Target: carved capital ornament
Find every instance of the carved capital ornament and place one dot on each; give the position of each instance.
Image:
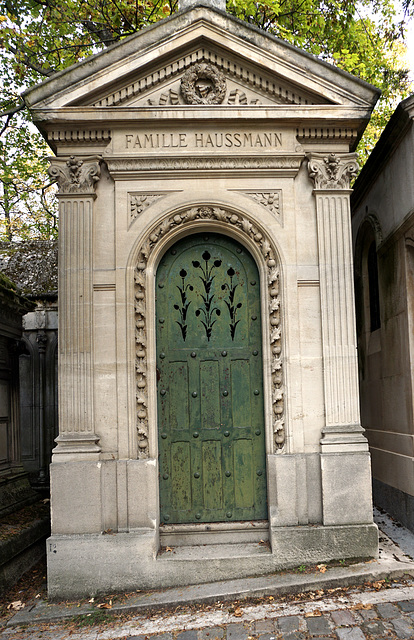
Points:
(329, 171)
(74, 175)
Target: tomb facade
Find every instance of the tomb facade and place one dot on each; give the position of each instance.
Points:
(208, 388)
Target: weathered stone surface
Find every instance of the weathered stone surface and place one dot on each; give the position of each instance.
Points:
(403, 628)
(264, 626)
(388, 611)
(237, 632)
(318, 626)
(32, 265)
(344, 618)
(350, 634)
(288, 624)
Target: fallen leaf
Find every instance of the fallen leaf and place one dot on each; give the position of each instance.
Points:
(378, 585)
(238, 612)
(360, 605)
(313, 614)
(321, 567)
(168, 548)
(17, 605)
(104, 605)
(91, 600)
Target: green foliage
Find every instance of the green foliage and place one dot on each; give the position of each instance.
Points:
(92, 619)
(363, 37)
(27, 205)
(40, 37)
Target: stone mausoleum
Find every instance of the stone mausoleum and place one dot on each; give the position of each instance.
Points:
(383, 229)
(208, 388)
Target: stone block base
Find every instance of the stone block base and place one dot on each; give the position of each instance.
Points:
(89, 564)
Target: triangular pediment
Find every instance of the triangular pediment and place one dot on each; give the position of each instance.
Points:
(209, 52)
(199, 69)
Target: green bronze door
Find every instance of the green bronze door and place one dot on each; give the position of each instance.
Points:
(210, 390)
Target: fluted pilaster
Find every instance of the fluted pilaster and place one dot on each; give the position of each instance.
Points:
(77, 179)
(331, 175)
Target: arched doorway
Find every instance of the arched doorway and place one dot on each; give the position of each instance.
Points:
(210, 383)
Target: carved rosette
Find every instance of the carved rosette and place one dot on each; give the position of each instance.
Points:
(269, 199)
(141, 201)
(265, 247)
(75, 175)
(203, 83)
(329, 171)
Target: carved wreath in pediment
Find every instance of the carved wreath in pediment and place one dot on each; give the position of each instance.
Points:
(203, 84)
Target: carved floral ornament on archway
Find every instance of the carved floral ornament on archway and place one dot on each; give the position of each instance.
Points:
(244, 225)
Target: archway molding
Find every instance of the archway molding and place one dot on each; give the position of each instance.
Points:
(145, 258)
(370, 227)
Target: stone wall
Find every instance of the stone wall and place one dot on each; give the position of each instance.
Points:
(15, 490)
(383, 221)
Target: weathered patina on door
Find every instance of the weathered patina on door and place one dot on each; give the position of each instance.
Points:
(210, 390)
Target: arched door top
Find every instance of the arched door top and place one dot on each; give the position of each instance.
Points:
(239, 226)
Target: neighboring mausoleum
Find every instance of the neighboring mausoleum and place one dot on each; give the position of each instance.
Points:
(208, 386)
(32, 266)
(383, 228)
(15, 490)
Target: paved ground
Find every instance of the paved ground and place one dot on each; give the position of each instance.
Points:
(382, 607)
(379, 611)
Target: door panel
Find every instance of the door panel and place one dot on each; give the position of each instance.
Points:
(209, 394)
(210, 390)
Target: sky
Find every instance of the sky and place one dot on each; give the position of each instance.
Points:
(410, 45)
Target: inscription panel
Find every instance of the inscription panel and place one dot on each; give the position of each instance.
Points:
(266, 140)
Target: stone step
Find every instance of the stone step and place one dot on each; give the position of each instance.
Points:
(214, 533)
(215, 551)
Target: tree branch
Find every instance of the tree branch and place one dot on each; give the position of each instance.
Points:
(12, 110)
(30, 64)
(10, 113)
(101, 31)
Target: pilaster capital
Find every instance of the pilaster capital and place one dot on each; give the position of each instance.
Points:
(75, 175)
(332, 172)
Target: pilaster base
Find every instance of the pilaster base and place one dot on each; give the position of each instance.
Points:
(72, 446)
(343, 439)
